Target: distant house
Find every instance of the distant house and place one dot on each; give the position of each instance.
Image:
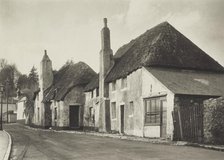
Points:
(60, 101)
(11, 117)
(153, 86)
(11, 107)
(24, 106)
(21, 106)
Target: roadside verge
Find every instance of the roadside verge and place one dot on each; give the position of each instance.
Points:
(8, 150)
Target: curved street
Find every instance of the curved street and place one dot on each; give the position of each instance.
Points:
(48, 145)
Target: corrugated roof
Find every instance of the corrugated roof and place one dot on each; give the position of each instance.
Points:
(190, 82)
(161, 46)
(66, 78)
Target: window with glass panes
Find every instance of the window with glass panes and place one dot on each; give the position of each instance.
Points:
(153, 111)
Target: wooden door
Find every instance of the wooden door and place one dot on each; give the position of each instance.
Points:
(163, 118)
(122, 118)
(74, 116)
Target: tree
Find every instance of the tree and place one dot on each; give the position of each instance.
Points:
(22, 82)
(33, 81)
(3, 63)
(7, 78)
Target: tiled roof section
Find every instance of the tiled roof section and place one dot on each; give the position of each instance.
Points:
(94, 83)
(161, 46)
(190, 82)
(69, 76)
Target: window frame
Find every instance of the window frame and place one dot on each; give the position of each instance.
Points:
(153, 116)
(91, 114)
(113, 86)
(55, 113)
(131, 109)
(124, 83)
(113, 110)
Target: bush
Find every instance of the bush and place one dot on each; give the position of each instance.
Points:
(217, 123)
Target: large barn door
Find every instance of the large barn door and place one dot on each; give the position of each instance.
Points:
(188, 123)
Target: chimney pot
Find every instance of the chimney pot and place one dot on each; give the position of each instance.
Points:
(105, 22)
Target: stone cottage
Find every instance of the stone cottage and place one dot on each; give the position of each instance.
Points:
(21, 106)
(24, 106)
(60, 101)
(154, 86)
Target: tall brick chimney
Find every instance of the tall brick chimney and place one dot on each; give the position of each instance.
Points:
(46, 74)
(106, 62)
(106, 57)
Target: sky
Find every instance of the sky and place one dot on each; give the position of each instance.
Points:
(70, 29)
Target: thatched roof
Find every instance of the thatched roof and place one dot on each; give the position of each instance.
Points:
(94, 83)
(161, 46)
(69, 76)
(190, 82)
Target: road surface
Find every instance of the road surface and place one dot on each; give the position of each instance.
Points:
(30, 144)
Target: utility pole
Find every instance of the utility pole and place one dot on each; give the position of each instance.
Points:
(7, 99)
(1, 94)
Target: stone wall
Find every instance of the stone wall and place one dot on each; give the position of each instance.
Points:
(74, 97)
(214, 120)
(91, 101)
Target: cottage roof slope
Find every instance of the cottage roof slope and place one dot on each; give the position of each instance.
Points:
(161, 46)
(94, 83)
(190, 82)
(69, 76)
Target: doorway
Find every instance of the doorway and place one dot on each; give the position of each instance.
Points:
(74, 116)
(122, 118)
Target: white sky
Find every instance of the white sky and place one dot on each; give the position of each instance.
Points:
(70, 29)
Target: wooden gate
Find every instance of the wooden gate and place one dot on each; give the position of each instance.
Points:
(188, 122)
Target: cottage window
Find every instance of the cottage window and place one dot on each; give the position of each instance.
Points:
(113, 110)
(152, 111)
(113, 85)
(55, 113)
(124, 82)
(97, 92)
(131, 108)
(91, 114)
